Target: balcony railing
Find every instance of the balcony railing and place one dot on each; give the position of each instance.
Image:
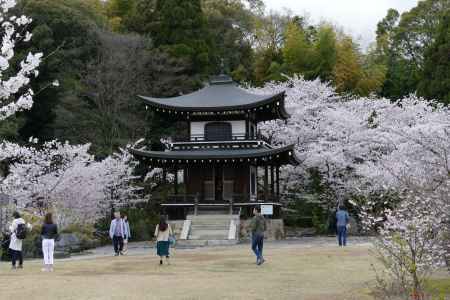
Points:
(198, 198)
(234, 137)
(196, 202)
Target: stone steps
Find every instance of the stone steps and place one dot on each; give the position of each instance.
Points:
(210, 229)
(209, 235)
(203, 243)
(211, 217)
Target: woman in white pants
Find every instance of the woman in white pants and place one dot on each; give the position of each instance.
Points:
(49, 233)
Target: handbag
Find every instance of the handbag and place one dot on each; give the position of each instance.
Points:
(172, 240)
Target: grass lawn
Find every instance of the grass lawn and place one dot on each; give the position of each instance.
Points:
(292, 271)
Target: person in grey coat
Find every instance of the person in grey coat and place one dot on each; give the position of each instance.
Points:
(117, 233)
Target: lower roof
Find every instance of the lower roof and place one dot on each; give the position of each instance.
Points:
(261, 155)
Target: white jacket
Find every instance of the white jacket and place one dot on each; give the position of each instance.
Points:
(15, 243)
(112, 228)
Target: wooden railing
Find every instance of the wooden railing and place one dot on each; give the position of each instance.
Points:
(234, 137)
(199, 200)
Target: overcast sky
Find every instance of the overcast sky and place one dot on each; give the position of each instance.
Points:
(357, 17)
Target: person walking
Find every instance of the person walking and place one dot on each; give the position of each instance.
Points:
(258, 227)
(127, 233)
(342, 219)
(49, 233)
(18, 231)
(163, 232)
(117, 233)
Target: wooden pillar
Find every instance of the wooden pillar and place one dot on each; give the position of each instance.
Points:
(278, 180)
(266, 182)
(164, 176)
(196, 204)
(272, 181)
(247, 129)
(175, 181)
(189, 130)
(185, 177)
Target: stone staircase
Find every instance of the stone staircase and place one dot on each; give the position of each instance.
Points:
(210, 230)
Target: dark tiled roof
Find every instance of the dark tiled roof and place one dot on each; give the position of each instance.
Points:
(220, 95)
(285, 154)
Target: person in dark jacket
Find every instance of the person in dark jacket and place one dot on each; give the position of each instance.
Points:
(258, 227)
(49, 233)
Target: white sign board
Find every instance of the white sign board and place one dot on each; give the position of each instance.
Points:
(267, 210)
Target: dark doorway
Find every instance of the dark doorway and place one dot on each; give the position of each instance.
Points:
(218, 131)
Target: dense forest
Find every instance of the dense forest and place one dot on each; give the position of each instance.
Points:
(104, 53)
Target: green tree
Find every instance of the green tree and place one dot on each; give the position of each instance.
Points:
(347, 71)
(405, 44)
(179, 26)
(64, 31)
(228, 25)
(118, 12)
(267, 62)
(296, 50)
(324, 54)
(268, 42)
(435, 82)
(105, 112)
(385, 33)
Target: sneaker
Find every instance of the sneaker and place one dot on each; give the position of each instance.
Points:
(44, 270)
(20, 267)
(160, 262)
(258, 261)
(262, 260)
(13, 268)
(121, 253)
(116, 254)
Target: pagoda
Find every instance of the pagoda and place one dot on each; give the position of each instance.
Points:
(223, 163)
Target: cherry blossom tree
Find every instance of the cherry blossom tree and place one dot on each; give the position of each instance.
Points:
(390, 159)
(67, 179)
(352, 141)
(15, 95)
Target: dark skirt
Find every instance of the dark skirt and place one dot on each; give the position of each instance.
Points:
(162, 248)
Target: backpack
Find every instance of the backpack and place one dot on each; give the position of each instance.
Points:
(21, 231)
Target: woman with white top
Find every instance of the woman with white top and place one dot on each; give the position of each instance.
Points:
(162, 234)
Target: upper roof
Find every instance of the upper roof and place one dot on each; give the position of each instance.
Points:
(222, 94)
